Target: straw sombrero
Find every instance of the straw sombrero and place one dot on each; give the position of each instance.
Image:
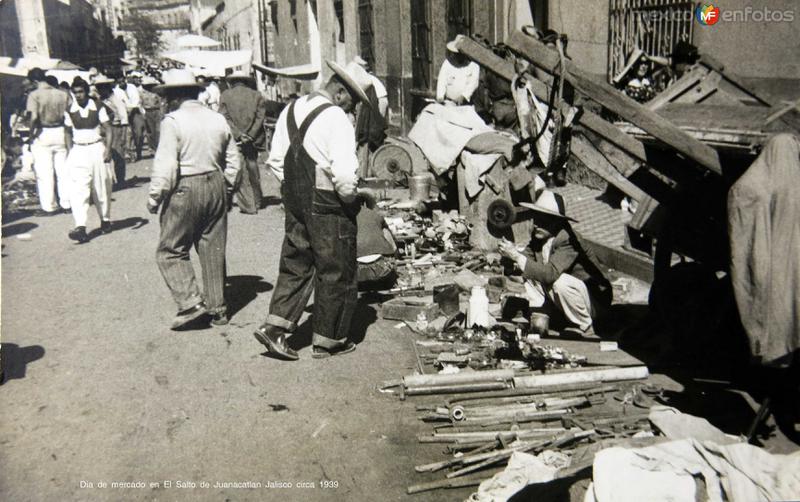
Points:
(354, 77)
(176, 79)
(549, 203)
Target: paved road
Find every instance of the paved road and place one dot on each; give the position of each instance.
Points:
(99, 390)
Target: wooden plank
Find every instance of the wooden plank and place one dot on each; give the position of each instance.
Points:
(686, 82)
(585, 151)
(703, 89)
(611, 98)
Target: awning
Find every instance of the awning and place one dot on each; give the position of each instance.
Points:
(195, 41)
(20, 66)
(212, 62)
(301, 72)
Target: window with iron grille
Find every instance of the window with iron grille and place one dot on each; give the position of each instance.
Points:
(459, 18)
(366, 35)
(264, 22)
(421, 61)
(654, 26)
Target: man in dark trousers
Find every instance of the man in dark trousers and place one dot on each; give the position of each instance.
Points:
(313, 152)
(194, 169)
(244, 108)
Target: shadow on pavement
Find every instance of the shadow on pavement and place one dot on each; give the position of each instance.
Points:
(243, 289)
(18, 228)
(133, 182)
(134, 223)
(16, 358)
(364, 316)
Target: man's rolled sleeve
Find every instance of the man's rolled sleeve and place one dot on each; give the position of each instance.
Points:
(164, 175)
(232, 160)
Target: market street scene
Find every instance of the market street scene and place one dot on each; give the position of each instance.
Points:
(400, 250)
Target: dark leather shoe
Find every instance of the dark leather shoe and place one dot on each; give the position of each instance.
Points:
(105, 227)
(275, 342)
(184, 317)
(219, 319)
(79, 234)
(322, 353)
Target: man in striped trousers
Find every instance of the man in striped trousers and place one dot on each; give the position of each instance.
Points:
(191, 185)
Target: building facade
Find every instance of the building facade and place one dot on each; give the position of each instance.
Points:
(173, 18)
(77, 31)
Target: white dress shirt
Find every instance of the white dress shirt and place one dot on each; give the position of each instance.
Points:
(457, 84)
(122, 105)
(134, 100)
(330, 140)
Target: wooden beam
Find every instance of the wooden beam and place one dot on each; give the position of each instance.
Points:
(611, 98)
(686, 82)
(585, 151)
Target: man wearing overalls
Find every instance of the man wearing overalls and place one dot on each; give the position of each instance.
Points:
(313, 152)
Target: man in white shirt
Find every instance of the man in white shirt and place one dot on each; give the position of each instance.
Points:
(380, 89)
(210, 94)
(89, 152)
(313, 153)
(136, 113)
(458, 77)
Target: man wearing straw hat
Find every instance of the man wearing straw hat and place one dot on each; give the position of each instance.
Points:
(313, 152)
(245, 109)
(194, 169)
(563, 275)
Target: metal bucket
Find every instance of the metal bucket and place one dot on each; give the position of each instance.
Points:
(419, 187)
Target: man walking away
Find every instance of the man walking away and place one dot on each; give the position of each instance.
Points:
(191, 184)
(46, 106)
(86, 162)
(152, 110)
(244, 108)
(314, 147)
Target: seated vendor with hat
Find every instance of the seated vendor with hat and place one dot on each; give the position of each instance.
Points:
(563, 276)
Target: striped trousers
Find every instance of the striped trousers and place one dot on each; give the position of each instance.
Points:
(195, 215)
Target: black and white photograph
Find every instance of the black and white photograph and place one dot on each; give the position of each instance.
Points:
(378, 250)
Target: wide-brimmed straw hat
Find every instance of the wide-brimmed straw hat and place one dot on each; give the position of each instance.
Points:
(451, 45)
(549, 203)
(177, 79)
(354, 77)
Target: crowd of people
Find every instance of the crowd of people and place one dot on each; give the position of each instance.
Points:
(206, 135)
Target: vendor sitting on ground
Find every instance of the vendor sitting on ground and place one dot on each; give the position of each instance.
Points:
(563, 277)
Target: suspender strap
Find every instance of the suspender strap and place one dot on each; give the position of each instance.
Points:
(296, 136)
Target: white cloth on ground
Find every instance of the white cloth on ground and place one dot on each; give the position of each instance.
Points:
(442, 131)
(522, 470)
(475, 166)
(667, 472)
